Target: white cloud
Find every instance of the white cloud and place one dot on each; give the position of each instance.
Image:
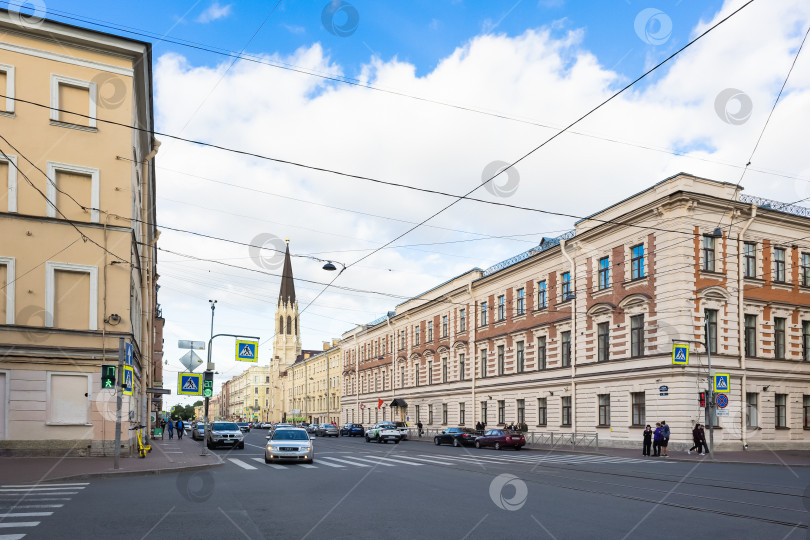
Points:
(537, 76)
(214, 12)
(295, 29)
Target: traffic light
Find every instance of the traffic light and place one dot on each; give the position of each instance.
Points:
(702, 398)
(208, 384)
(108, 376)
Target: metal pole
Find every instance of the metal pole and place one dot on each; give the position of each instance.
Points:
(118, 402)
(208, 368)
(710, 393)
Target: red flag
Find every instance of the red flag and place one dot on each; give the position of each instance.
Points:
(379, 403)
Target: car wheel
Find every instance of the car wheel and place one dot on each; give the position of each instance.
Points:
(497, 446)
(265, 459)
(396, 441)
(436, 441)
(517, 448)
(456, 443)
(477, 444)
(368, 440)
(241, 446)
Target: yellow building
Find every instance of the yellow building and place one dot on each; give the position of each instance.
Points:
(249, 396)
(77, 235)
(314, 385)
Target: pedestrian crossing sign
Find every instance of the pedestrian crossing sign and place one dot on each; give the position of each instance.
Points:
(127, 384)
(189, 384)
(246, 350)
(680, 355)
(722, 382)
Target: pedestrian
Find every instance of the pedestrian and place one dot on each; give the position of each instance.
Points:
(703, 441)
(419, 425)
(179, 427)
(657, 440)
(665, 437)
(647, 440)
(171, 430)
(695, 439)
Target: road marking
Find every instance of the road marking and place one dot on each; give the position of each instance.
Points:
(11, 536)
(329, 464)
(35, 499)
(39, 489)
(431, 461)
(370, 461)
(261, 460)
(307, 466)
(32, 506)
(242, 464)
(19, 524)
(396, 461)
(44, 485)
(26, 514)
(347, 462)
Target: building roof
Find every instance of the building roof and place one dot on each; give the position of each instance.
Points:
(286, 293)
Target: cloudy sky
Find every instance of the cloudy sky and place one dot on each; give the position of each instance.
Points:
(455, 86)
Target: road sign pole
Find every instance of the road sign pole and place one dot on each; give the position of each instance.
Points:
(118, 402)
(710, 402)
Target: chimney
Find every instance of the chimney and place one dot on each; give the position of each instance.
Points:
(326, 345)
(335, 342)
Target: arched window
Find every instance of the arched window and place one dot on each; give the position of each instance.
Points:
(296, 326)
(289, 324)
(281, 325)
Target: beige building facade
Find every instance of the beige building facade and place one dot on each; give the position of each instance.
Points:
(77, 236)
(314, 385)
(577, 334)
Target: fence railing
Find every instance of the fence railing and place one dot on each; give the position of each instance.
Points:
(545, 439)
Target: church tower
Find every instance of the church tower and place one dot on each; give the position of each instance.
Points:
(287, 343)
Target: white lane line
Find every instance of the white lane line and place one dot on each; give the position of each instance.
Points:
(11, 536)
(346, 462)
(329, 464)
(44, 485)
(370, 461)
(39, 489)
(32, 506)
(26, 514)
(307, 466)
(430, 461)
(19, 524)
(261, 460)
(242, 464)
(35, 499)
(396, 461)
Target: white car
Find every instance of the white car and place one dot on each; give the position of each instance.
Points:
(383, 432)
(289, 444)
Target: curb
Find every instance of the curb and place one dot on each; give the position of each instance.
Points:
(146, 472)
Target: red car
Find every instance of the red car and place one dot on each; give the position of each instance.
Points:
(501, 438)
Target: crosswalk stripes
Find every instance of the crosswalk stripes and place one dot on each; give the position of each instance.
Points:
(347, 462)
(242, 464)
(394, 461)
(431, 461)
(21, 502)
(261, 460)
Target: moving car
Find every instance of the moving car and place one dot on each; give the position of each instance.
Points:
(403, 429)
(225, 434)
(289, 444)
(326, 430)
(352, 430)
(501, 438)
(244, 426)
(457, 436)
(198, 431)
(383, 432)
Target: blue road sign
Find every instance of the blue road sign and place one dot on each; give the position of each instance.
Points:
(128, 377)
(189, 384)
(246, 350)
(722, 382)
(128, 353)
(722, 401)
(680, 355)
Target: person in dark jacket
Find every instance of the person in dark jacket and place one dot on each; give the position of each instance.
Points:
(179, 427)
(664, 438)
(647, 440)
(170, 425)
(703, 442)
(419, 425)
(695, 439)
(657, 438)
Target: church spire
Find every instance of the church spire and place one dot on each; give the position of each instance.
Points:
(286, 294)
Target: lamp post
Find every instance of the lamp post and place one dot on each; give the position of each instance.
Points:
(208, 367)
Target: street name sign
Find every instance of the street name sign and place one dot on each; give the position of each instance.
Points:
(188, 344)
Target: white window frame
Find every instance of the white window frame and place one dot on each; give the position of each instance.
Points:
(6, 405)
(50, 286)
(12, 179)
(93, 173)
(10, 102)
(48, 421)
(56, 80)
(11, 276)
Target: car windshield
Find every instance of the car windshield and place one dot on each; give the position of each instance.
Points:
(225, 426)
(290, 435)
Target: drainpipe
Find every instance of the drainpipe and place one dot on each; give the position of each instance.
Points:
(573, 338)
(393, 376)
(471, 349)
(741, 321)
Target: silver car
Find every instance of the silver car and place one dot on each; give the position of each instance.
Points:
(198, 431)
(225, 434)
(289, 444)
(326, 430)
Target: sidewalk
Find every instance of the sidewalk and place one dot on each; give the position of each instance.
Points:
(167, 456)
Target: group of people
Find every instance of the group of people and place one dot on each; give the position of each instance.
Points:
(480, 426)
(519, 426)
(658, 439)
(171, 426)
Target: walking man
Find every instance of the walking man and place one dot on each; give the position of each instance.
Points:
(703, 442)
(696, 439)
(170, 425)
(179, 429)
(419, 425)
(665, 439)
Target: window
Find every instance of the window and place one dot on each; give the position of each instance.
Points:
(604, 409)
(639, 408)
(708, 253)
(779, 265)
(418, 417)
(711, 337)
(779, 337)
(566, 411)
(444, 370)
(806, 341)
(69, 396)
(521, 362)
(483, 363)
(501, 411)
(8, 170)
(444, 414)
(430, 371)
(806, 403)
(750, 260)
(430, 414)
(780, 410)
(541, 353)
(637, 262)
(402, 376)
(416, 335)
(750, 335)
(751, 400)
(542, 416)
(521, 301)
(461, 411)
(462, 320)
(76, 96)
(7, 287)
(501, 307)
(483, 313)
(602, 341)
(541, 294)
(75, 184)
(417, 373)
(566, 286)
(429, 332)
(484, 412)
(804, 270)
(521, 411)
(461, 366)
(76, 287)
(500, 359)
(7, 77)
(604, 273)
(566, 348)
(402, 339)
(444, 326)
(636, 336)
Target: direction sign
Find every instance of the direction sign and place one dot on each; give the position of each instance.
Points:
(128, 353)
(128, 377)
(187, 344)
(680, 355)
(189, 384)
(246, 350)
(722, 401)
(722, 382)
(191, 361)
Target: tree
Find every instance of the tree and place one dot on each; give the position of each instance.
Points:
(198, 403)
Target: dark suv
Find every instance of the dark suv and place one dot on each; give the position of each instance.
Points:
(352, 430)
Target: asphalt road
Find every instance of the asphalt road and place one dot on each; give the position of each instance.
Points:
(417, 490)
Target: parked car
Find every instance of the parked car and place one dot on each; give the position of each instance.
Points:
(289, 444)
(310, 427)
(383, 433)
(501, 438)
(244, 426)
(225, 434)
(457, 436)
(198, 431)
(327, 430)
(352, 430)
(403, 429)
